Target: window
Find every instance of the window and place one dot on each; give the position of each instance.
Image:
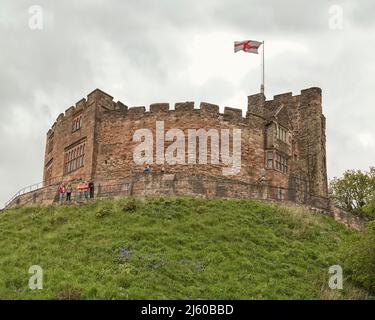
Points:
(269, 159)
(281, 133)
(280, 194)
(281, 163)
(77, 123)
(275, 160)
(73, 159)
(48, 175)
(50, 143)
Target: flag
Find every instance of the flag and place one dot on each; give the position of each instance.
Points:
(247, 46)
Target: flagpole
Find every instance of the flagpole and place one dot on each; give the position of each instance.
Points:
(262, 85)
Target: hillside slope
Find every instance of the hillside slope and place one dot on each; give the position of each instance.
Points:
(171, 248)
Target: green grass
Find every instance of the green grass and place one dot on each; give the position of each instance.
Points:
(171, 248)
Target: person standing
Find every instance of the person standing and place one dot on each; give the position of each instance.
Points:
(69, 190)
(86, 189)
(92, 189)
(79, 190)
(61, 193)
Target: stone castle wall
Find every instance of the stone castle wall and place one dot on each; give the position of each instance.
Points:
(115, 140)
(157, 184)
(106, 133)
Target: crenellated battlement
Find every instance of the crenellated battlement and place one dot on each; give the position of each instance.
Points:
(95, 96)
(186, 108)
(257, 105)
(106, 102)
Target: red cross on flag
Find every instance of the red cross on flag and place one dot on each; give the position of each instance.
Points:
(247, 46)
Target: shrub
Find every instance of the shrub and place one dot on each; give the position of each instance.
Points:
(130, 206)
(360, 259)
(103, 212)
(369, 210)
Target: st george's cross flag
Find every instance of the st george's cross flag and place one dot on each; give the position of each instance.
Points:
(247, 46)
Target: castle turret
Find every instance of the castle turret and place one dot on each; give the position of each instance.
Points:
(255, 104)
(312, 140)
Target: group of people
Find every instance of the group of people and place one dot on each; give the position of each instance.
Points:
(85, 189)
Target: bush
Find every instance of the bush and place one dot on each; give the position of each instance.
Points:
(103, 212)
(200, 209)
(369, 210)
(130, 206)
(360, 259)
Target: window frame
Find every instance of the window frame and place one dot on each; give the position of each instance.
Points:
(74, 158)
(269, 159)
(48, 172)
(77, 122)
(281, 163)
(50, 142)
(281, 133)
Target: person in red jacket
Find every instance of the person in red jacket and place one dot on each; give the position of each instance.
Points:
(79, 190)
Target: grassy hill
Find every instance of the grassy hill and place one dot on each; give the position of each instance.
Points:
(171, 248)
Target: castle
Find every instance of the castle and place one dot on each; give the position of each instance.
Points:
(283, 153)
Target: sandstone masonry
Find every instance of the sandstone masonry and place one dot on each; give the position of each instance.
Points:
(283, 146)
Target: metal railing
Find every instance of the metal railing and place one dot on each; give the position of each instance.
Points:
(40, 185)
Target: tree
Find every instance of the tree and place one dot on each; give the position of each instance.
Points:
(355, 190)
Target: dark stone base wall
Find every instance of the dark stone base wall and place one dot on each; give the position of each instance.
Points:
(153, 184)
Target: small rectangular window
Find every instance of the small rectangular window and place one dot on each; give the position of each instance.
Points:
(77, 123)
(281, 133)
(50, 143)
(269, 159)
(48, 175)
(281, 163)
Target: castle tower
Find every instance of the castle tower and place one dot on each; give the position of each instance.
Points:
(299, 121)
(71, 146)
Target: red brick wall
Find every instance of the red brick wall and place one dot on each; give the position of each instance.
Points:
(108, 129)
(115, 141)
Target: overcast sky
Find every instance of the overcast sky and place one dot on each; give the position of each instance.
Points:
(168, 51)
